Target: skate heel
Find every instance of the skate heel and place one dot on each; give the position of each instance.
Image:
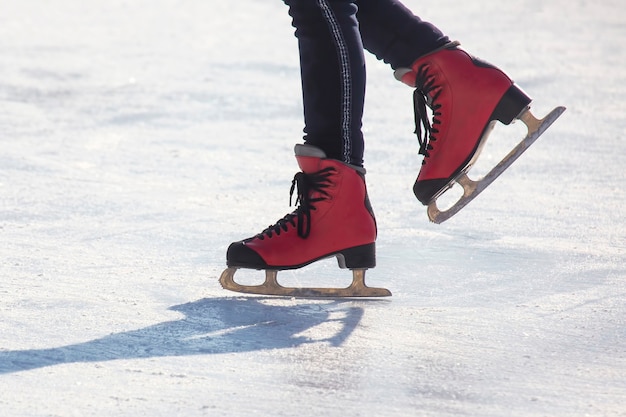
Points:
(514, 102)
(358, 257)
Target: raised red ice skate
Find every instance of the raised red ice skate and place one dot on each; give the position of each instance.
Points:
(467, 96)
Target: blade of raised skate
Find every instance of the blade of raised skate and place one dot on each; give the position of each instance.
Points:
(471, 188)
(272, 287)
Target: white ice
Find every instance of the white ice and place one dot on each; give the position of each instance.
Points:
(139, 138)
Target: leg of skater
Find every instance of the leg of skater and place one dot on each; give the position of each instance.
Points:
(332, 69)
(334, 217)
(466, 94)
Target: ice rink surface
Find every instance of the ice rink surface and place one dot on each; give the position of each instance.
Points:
(139, 138)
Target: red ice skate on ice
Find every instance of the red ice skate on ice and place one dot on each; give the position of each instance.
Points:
(334, 218)
(466, 96)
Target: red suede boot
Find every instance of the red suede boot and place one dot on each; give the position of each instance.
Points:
(467, 96)
(334, 219)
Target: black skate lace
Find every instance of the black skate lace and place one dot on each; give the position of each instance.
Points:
(425, 83)
(305, 184)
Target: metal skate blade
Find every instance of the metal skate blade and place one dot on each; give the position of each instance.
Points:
(472, 188)
(271, 287)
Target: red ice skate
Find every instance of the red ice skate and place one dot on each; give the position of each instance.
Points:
(466, 96)
(334, 218)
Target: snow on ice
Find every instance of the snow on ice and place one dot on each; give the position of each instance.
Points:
(138, 139)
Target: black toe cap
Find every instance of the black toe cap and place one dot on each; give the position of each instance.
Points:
(426, 190)
(241, 256)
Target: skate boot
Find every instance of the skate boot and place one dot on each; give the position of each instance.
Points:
(334, 218)
(466, 96)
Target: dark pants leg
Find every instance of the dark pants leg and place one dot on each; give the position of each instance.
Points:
(330, 41)
(394, 34)
(333, 75)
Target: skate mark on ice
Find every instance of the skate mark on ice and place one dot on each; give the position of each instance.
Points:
(209, 326)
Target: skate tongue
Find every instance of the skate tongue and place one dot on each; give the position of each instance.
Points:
(308, 150)
(308, 157)
(405, 75)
